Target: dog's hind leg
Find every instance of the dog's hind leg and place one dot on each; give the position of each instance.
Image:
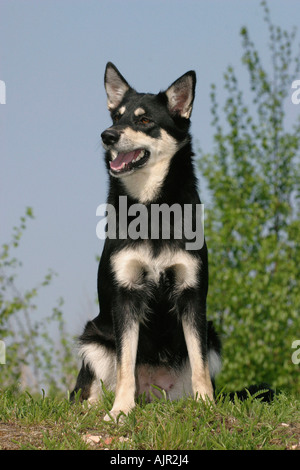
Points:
(98, 353)
(84, 383)
(213, 352)
(98, 368)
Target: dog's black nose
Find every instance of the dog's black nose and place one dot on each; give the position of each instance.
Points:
(110, 136)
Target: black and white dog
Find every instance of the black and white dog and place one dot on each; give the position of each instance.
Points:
(151, 332)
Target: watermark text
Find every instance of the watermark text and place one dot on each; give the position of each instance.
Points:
(155, 222)
(296, 354)
(296, 94)
(2, 352)
(2, 92)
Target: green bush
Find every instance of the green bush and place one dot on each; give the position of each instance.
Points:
(252, 224)
(36, 354)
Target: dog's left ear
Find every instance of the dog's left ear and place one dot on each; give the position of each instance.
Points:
(115, 86)
(181, 95)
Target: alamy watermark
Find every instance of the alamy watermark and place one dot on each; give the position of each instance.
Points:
(2, 353)
(2, 92)
(296, 94)
(296, 354)
(156, 221)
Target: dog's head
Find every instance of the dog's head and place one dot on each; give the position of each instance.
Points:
(147, 128)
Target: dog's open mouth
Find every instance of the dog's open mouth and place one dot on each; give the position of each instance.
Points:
(125, 162)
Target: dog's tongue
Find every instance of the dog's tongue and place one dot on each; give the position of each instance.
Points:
(122, 158)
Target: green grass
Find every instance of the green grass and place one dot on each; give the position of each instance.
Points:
(54, 424)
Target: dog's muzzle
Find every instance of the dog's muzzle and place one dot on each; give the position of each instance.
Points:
(124, 162)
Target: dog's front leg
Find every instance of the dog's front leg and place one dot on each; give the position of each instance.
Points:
(126, 357)
(201, 380)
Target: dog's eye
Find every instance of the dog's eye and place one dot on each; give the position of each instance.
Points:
(116, 117)
(144, 120)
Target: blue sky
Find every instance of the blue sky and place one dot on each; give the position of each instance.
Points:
(52, 58)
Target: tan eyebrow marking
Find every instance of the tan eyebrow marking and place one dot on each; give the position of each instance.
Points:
(122, 110)
(139, 112)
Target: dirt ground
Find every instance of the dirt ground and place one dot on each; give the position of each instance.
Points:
(14, 436)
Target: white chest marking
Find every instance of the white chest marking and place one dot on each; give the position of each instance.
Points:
(131, 266)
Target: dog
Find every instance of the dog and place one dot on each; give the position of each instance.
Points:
(151, 336)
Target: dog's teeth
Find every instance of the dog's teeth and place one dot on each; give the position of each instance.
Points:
(140, 155)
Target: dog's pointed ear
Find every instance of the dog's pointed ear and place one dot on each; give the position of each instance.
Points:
(181, 95)
(115, 86)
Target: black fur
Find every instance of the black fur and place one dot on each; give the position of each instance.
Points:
(157, 306)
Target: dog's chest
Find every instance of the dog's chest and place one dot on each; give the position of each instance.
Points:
(133, 267)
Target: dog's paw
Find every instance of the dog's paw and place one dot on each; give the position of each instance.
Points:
(206, 397)
(119, 413)
(92, 401)
(204, 394)
(116, 416)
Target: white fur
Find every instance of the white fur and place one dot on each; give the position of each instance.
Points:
(129, 265)
(125, 385)
(183, 382)
(102, 363)
(214, 363)
(201, 380)
(144, 183)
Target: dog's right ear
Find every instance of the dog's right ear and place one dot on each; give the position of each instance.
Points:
(115, 86)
